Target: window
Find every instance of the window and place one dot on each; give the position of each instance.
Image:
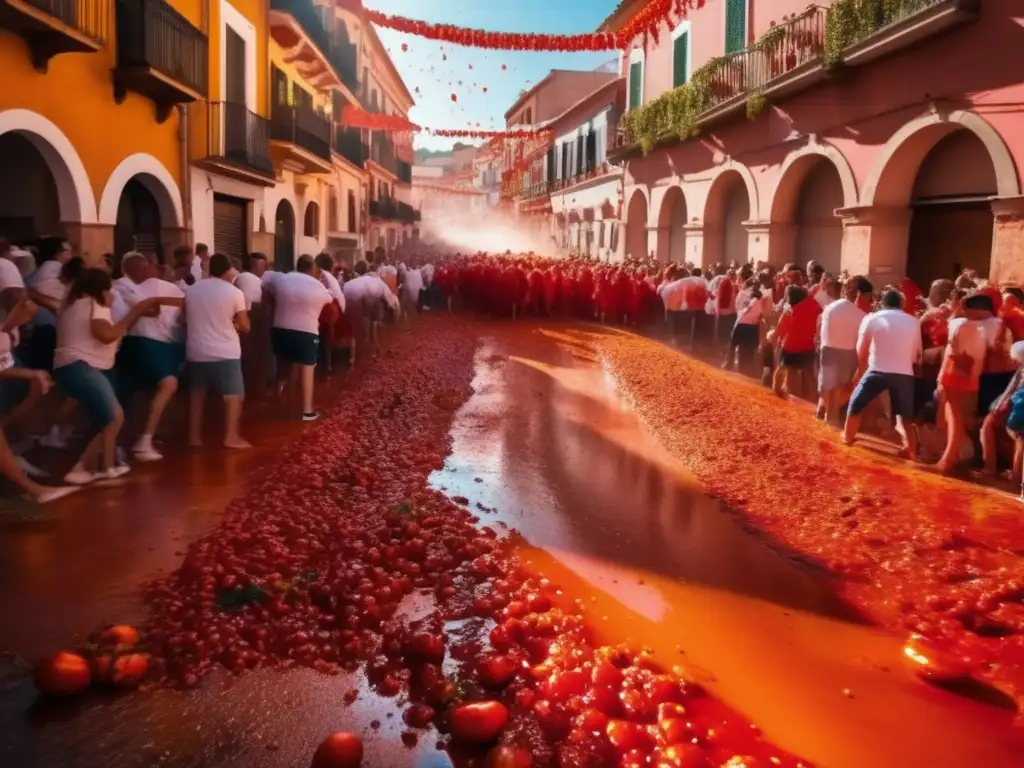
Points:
(351, 211)
(681, 54)
(332, 213)
(311, 227)
(636, 78)
(281, 87)
(735, 25)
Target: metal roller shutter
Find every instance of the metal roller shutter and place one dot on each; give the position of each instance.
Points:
(229, 235)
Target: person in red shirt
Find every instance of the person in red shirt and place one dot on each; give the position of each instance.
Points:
(585, 293)
(552, 279)
(535, 292)
(795, 338)
(912, 296)
(623, 293)
(1013, 311)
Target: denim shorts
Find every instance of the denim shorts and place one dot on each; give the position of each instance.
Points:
(92, 388)
(900, 386)
(222, 376)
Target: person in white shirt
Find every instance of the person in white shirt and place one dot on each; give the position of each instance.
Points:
(334, 330)
(839, 326)
(152, 353)
(367, 298)
(412, 288)
(299, 298)
(83, 367)
(750, 308)
(888, 348)
(200, 266)
(214, 316)
(250, 282)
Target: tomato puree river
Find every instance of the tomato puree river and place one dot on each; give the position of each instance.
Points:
(548, 446)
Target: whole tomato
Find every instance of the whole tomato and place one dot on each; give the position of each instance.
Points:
(120, 635)
(122, 671)
(339, 750)
(479, 722)
(496, 670)
(62, 674)
(508, 756)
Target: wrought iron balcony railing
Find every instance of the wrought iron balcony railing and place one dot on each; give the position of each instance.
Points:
(303, 127)
(238, 136)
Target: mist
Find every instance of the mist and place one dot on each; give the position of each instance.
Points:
(466, 224)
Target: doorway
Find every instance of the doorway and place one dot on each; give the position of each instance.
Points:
(284, 237)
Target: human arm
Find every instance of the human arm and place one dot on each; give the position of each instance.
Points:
(106, 330)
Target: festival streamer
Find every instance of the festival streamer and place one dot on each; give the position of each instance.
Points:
(646, 22)
(446, 190)
(354, 117)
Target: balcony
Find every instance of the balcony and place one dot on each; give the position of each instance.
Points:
(788, 58)
(407, 214)
(540, 189)
(316, 45)
(160, 55)
(404, 171)
(383, 208)
(238, 144)
(348, 142)
(53, 27)
(300, 139)
(382, 152)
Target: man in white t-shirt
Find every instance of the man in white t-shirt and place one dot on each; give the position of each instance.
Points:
(838, 329)
(299, 298)
(200, 266)
(367, 297)
(250, 282)
(152, 353)
(888, 348)
(214, 316)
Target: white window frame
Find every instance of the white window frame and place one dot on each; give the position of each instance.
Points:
(725, 27)
(231, 17)
(637, 55)
(683, 28)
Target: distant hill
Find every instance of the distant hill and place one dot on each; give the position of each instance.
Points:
(427, 154)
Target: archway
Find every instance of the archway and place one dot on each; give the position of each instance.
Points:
(284, 237)
(158, 181)
(941, 168)
(63, 167)
(29, 194)
(138, 222)
(311, 225)
(728, 206)
(951, 217)
(636, 226)
(671, 227)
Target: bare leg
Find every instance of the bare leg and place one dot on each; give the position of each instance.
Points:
(851, 428)
(1018, 459)
(954, 435)
(305, 373)
(780, 381)
(110, 433)
(232, 421)
(196, 403)
(909, 437)
(21, 410)
(165, 390)
(11, 469)
(990, 445)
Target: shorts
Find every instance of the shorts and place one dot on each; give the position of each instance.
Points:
(837, 369)
(900, 387)
(991, 387)
(802, 360)
(746, 336)
(296, 347)
(92, 388)
(224, 377)
(146, 362)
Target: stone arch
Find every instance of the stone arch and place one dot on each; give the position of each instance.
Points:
(155, 177)
(636, 225)
(74, 190)
(795, 169)
(724, 175)
(311, 220)
(891, 180)
(672, 218)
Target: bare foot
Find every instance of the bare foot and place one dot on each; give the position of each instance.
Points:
(237, 444)
(847, 441)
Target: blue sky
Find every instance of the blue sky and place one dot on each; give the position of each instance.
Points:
(423, 65)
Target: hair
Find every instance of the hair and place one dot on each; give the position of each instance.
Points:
(863, 284)
(49, 248)
(696, 272)
(181, 255)
(90, 283)
(1016, 292)
(360, 268)
(305, 264)
(834, 289)
(892, 299)
(202, 248)
(130, 256)
(72, 270)
(249, 260)
(325, 261)
(795, 294)
(369, 257)
(790, 267)
(817, 269)
(220, 265)
(980, 301)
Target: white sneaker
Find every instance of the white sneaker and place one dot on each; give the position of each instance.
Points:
(144, 450)
(113, 473)
(52, 494)
(79, 476)
(30, 469)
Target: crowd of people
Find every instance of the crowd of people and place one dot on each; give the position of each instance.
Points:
(80, 344)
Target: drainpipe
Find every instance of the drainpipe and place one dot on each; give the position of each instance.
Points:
(186, 169)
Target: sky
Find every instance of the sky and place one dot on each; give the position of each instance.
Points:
(423, 66)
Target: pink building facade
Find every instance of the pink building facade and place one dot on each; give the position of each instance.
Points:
(881, 138)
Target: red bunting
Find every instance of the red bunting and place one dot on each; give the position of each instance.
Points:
(354, 117)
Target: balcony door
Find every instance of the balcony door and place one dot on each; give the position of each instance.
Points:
(235, 111)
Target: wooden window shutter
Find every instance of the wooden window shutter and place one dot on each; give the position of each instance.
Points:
(680, 54)
(635, 83)
(735, 25)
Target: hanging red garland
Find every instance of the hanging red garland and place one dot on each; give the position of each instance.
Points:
(354, 117)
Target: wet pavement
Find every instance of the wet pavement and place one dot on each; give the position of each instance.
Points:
(545, 443)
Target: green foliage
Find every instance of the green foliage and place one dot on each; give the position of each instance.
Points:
(755, 104)
(850, 21)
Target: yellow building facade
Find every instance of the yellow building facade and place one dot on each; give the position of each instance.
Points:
(147, 123)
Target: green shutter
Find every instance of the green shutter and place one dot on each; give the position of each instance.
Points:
(735, 25)
(635, 84)
(679, 58)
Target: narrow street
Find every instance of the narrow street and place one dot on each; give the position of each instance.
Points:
(544, 446)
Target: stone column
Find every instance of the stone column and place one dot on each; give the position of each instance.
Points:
(781, 243)
(657, 242)
(875, 242)
(695, 244)
(1007, 265)
(759, 237)
(90, 241)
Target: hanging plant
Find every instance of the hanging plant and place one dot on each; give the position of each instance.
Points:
(755, 104)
